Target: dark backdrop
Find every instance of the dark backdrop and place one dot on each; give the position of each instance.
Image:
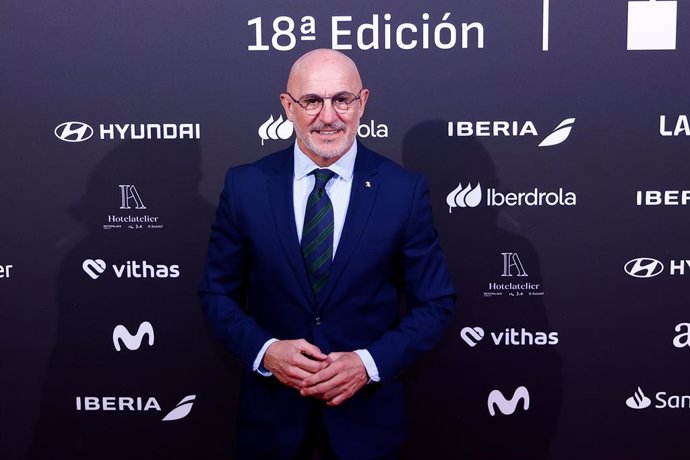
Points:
(564, 325)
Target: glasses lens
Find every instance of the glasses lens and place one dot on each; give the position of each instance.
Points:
(342, 101)
(311, 102)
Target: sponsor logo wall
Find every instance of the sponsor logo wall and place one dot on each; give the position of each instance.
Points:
(553, 137)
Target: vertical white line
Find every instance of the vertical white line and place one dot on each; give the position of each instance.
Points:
(545, 27)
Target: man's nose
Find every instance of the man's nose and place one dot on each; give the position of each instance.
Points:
(328, 113)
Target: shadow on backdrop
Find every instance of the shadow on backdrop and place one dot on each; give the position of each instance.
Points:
(447, 393)
(85, 367)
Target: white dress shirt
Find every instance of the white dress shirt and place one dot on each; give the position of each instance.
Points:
(338, 190)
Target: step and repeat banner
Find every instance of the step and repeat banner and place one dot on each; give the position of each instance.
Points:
(556, 141)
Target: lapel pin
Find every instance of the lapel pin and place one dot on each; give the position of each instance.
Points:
(367, 184)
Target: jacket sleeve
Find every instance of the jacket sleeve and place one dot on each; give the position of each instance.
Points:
(224, 284)
(428, 290)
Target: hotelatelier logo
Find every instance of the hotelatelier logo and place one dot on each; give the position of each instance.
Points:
(130, 200)
(508, 406)
(646, 267)
(510, 129)
(469, 196)
(133, 404)
(130, 269)
(513, 267)
(77, 131)
(663, 401)
(122, 336)
(509, 337)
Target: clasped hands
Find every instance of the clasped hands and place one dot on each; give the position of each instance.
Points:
(333, 378)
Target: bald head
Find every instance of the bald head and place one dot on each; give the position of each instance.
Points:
(325, 75)
(320, 65)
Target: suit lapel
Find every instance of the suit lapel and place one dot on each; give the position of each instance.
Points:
(362, 197)
(280, 185)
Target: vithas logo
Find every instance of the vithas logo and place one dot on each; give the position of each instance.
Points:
(131, 269)
(93, 267)
(508, 406)
(509, 337)
(472, 335)
(121, 336)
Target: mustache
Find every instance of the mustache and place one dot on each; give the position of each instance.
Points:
(328, 126)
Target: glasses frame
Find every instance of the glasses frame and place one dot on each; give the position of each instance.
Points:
(323, 100)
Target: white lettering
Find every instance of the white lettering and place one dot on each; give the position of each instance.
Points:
(683, 338)
(336, 32)
(110, 131)
(374, 29)
(5, 271)
(678, 267)
(119, 271)
(682, 126)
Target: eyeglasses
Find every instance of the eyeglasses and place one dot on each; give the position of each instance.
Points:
(313, 103)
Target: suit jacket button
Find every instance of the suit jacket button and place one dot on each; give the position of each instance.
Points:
(317, 321)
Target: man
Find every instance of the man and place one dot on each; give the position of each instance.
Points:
(311, 250)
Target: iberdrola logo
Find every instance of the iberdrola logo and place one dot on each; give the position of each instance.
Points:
(275, 129)
(464, 197)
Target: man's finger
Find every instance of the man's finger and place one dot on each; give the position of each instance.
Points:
(323, 375)
(337, 400)
(309, 365)
(310, 350)
(297, 373)
(323, 386)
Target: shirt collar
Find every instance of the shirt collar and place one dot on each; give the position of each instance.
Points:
(344, 167)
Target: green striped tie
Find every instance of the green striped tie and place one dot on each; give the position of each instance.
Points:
(317, 233)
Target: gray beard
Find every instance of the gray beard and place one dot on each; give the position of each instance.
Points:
(327, 153)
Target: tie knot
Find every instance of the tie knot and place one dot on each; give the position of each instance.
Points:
(322, 177)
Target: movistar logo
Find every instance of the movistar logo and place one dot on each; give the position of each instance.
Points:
(508, 406)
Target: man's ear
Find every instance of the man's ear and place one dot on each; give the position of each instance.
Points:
(363, 98)
(287, 105)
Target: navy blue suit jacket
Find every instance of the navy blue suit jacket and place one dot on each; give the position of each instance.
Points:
(256, 287)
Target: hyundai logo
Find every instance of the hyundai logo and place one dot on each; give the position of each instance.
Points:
(644, 267)
(73, 131)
